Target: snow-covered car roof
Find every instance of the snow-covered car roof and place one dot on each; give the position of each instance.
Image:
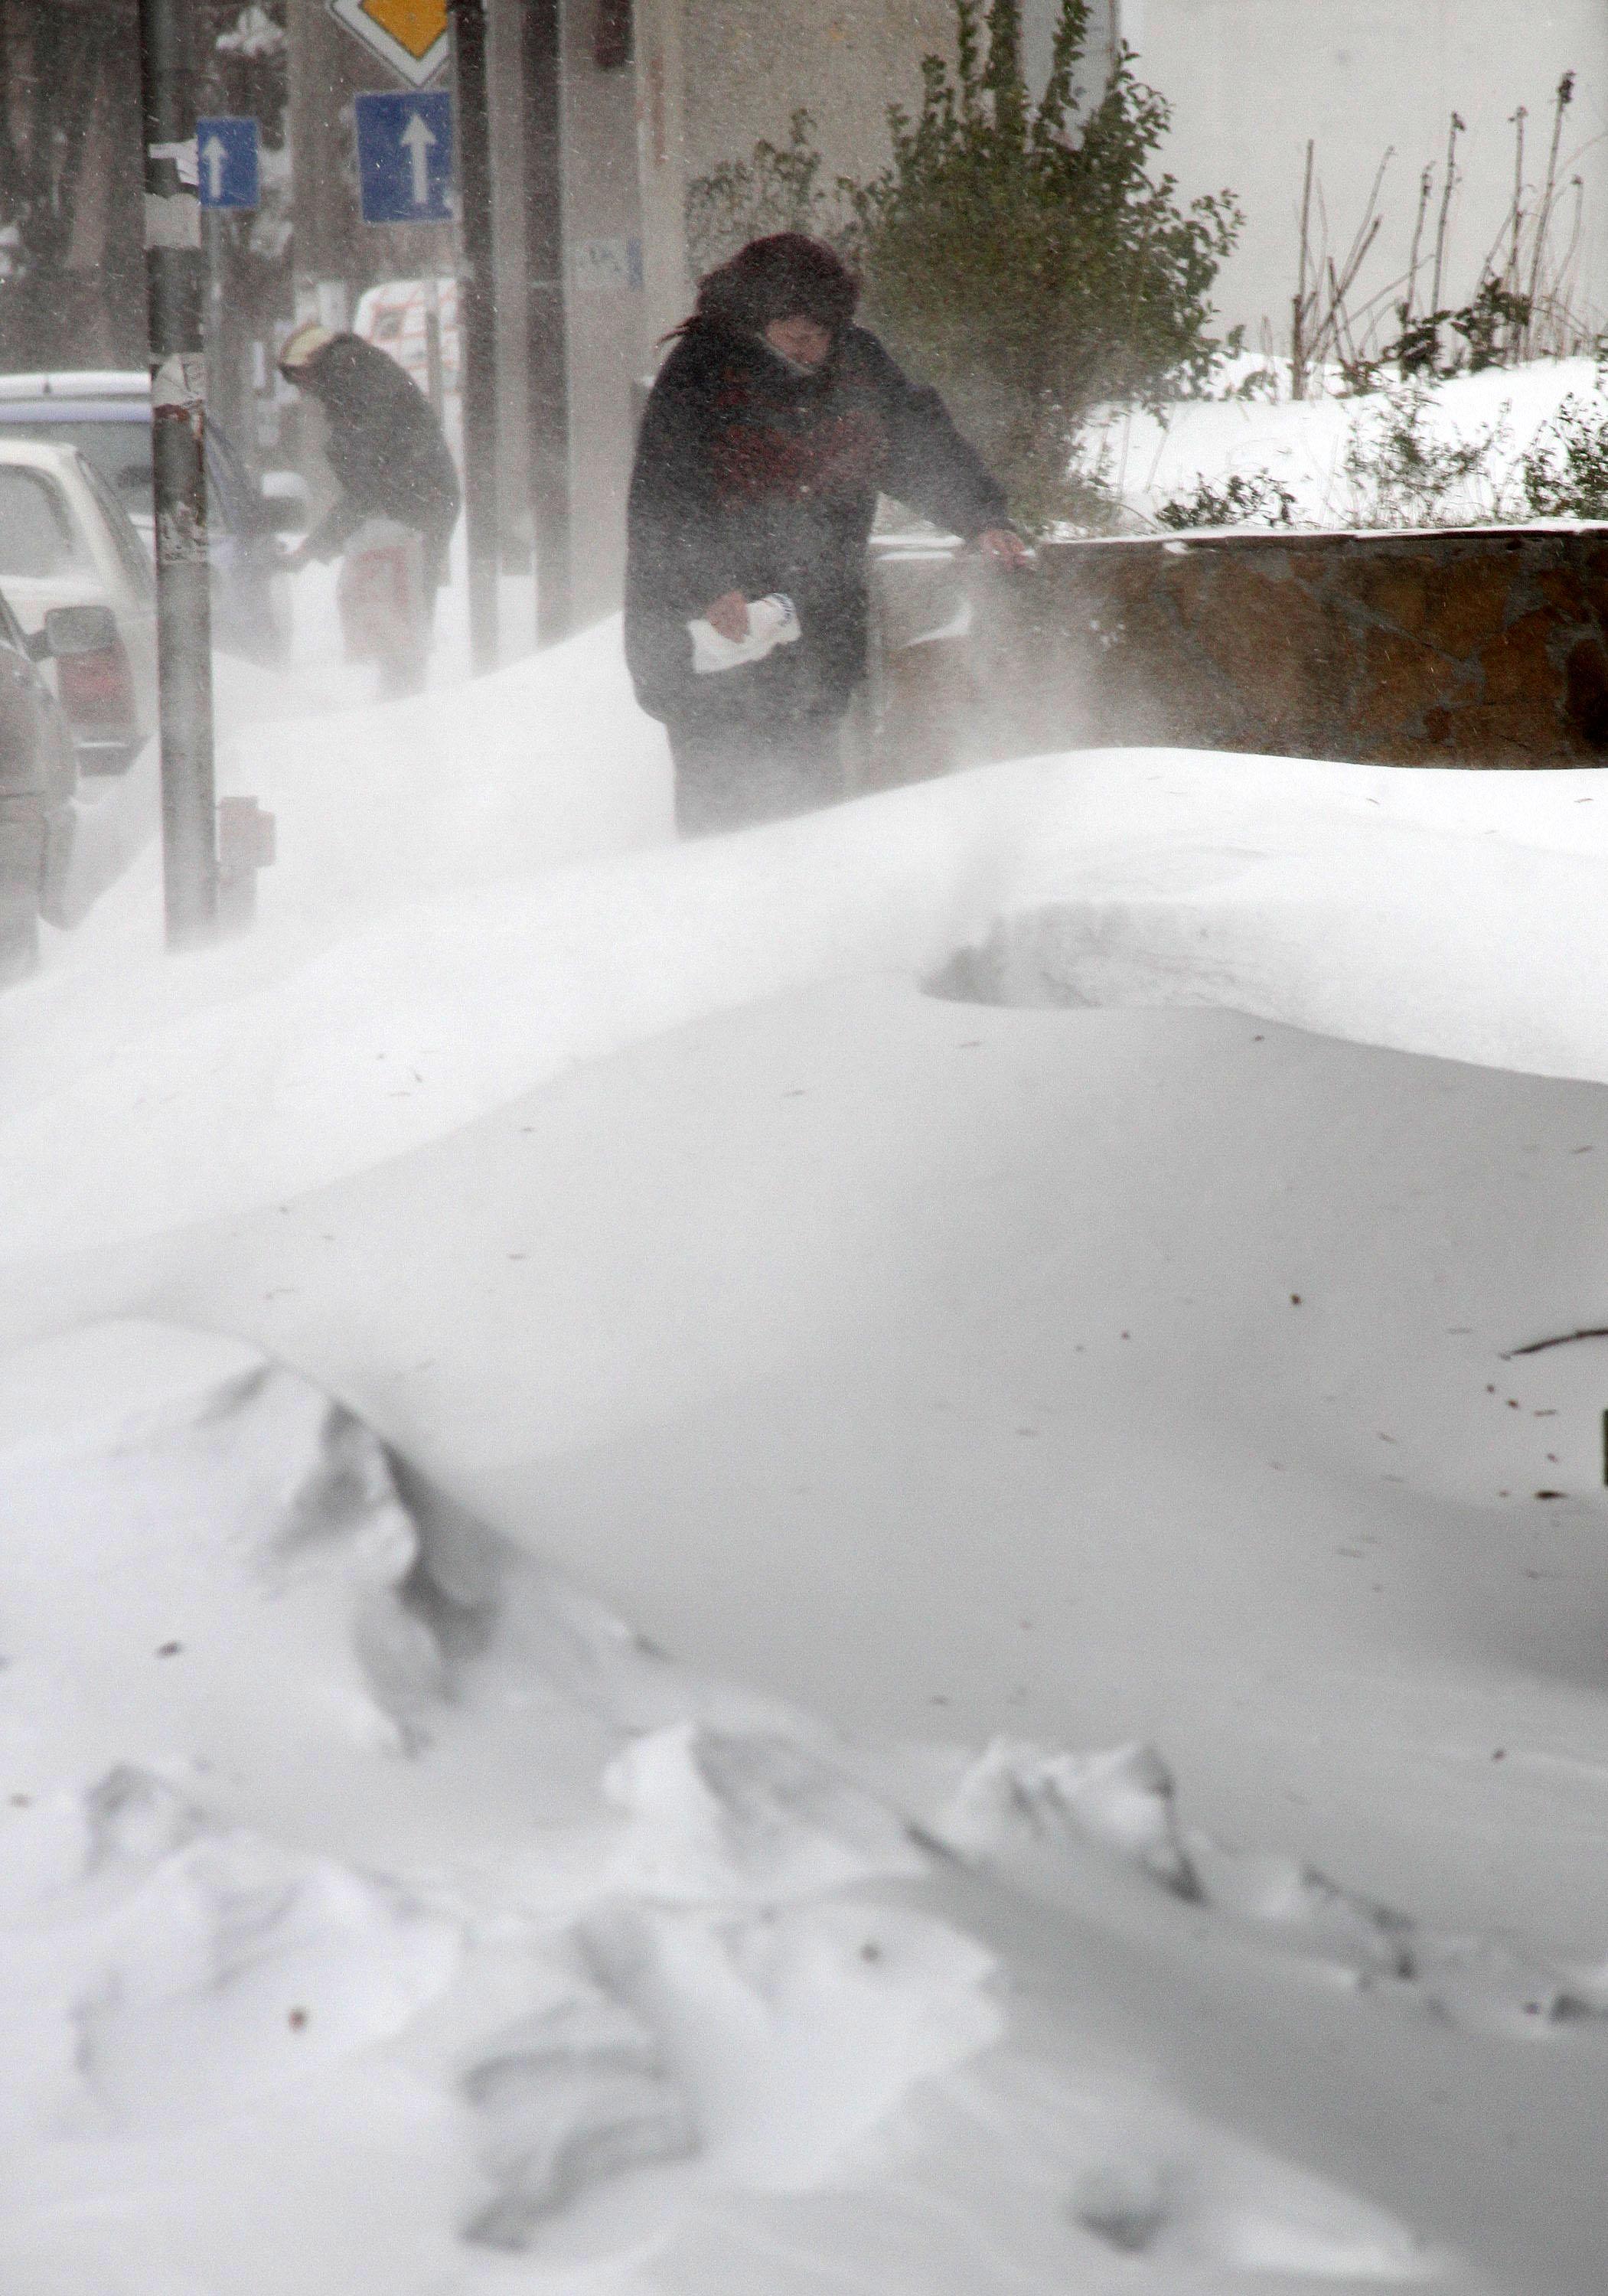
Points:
(87, 382)
(131, 411)
(38, 453)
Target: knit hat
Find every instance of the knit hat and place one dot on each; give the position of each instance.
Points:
(784, 276)
(302, 345)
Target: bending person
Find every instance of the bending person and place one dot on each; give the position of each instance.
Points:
(769, 433)
(389, 459)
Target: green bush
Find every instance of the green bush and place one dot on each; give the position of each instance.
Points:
(1243, 498)
(1564, 472)
(1025, 259)
(1405, 469)
(777, 188)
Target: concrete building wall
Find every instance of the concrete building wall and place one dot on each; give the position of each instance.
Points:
(714, 76)
(1251, 80)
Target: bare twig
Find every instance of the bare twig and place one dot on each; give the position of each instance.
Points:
(1447, 189)
(1510, 276)
(1561, 103)
(1298, 354)
(1563, 1340)
(1425, 187)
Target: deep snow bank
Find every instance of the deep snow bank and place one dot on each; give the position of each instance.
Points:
(377, 1910)
(1151, 458)
(538, 764)
(1434, 912)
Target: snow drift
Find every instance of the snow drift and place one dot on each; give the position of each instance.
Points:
(1367, 903)
(350, 1857)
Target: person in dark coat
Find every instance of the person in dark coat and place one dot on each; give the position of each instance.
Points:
(771, 429)
(385, 451)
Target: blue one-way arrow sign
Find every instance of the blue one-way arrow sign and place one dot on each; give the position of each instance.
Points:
(405, 157)
(228, 158)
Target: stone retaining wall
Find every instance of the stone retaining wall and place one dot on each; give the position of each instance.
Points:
(1479, 647)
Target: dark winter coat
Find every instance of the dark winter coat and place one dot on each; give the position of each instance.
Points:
(385, 449)
(752, 475)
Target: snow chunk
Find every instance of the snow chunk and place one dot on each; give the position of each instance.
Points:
(800, 2030)
(1019, 1796)
(719, 1816)
(570, 2096)
(185, 1970)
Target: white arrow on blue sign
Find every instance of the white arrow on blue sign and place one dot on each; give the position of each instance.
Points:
(229, 157)
(405, 157)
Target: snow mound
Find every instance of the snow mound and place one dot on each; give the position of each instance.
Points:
(426, 1920)
(1020, 1797)
(539, 764)
(718, 1815)
(176, 1970)
(1360, 902)
(286, 1628)
(1031, 1816)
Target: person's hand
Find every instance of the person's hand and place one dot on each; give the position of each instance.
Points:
(729, 616)
(1002, 546)
(293, 556)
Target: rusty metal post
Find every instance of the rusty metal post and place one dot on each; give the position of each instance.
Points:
(546, 350)
(476, 320)
(176, 296)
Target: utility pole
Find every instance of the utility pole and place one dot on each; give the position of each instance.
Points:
(477, 318)
(547, 352)
(176, 293)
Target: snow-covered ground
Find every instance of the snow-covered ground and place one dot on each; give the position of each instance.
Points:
(1012, 1284)
(1153, 458)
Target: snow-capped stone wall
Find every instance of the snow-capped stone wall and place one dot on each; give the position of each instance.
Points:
(1451, 648)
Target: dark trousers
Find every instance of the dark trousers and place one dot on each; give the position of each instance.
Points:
(727, 778)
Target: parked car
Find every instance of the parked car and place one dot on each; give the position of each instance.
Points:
(38, 773)
(106, 415)
(66, 540)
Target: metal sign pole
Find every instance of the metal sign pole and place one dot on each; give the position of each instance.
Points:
(547, 347)
(477, 321)
(176, 292)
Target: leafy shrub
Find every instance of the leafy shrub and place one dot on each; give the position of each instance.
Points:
(1027, 260)
(1564, 472)
(1489, 330)
(777, 188)
(1243, 498)
(1405, 471)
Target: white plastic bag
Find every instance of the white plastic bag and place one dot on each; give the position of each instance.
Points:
(380, 594)
(772, 622)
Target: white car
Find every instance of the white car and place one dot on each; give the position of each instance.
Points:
(106, 415)
(66, 540)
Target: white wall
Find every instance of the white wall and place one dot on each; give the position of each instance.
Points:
(1251, 80)
(714, 76)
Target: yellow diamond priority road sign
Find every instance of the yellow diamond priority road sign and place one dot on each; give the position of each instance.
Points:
(409, 34)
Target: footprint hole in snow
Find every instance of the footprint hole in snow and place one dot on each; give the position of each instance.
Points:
(1125, 2204)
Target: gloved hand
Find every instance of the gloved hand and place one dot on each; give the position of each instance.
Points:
(1004, 547)
(729, 615)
